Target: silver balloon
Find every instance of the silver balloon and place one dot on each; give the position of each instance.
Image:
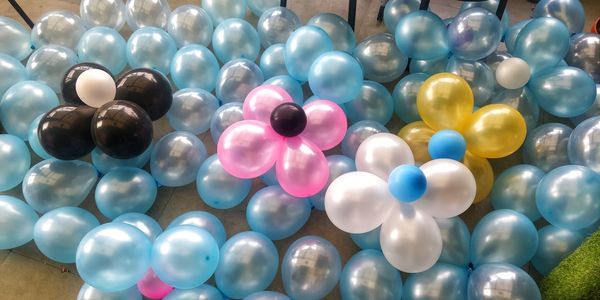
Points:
(337, 28)
(584, 144)
(367, 275)
(225, 116)
(546, 146)
(109, 13)
(584, 53)
(190, 24)
(431, 66)
(176, 158)
(192, 109)
(396, 9)
(570, 12)
(380, 58)
(592, 112)
(455, 240)
(236, 79)
(88, 292)
(496, 58)
(478, 74)
(523, 101)
(143, 13)
(359, 132)
(502, 282)
(276, 24)
(443, 281)
(381, 153)
(59, 27)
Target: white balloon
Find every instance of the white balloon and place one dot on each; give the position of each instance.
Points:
(450, 190)
(358, 202)
(381, 153)
(95, 87)
(513, 73)
(410, 239)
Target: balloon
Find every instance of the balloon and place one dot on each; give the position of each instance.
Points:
(513, 73)
(276, 214)
(59, 27)
(236, 79)
(220, 10)
(147, 13)
(570, 12)
(302, 49)
(591, 112)
(185, 256)
(290, 85)
(417, 136)
(191, 110)
(64, 132)
(55, 183)
(69, 81)
(194, 66)
(12, 71)
(34, 140)
(447, 144)
(152, 48)
(18, 221)
(566, 197)
(381, 153)
(258, 7)
(95, 87)
(225, 116)
(405, 97)
(445, 101)
(483, 173)
(203, 220)
(235, 38)
(584, 53)
(48, 64)
(546, 146)
(121, 129)
(326, 124)
(248, 264)
(310, 268)
(492, 6)
(147, 88)
(523, 101)
(373, 102)
(555, 245)
(510, 38)
(421, 35)
(336, 76)
(455, 240)
(109, 13)
(340, 32)
(15, 161)
(407, 183)
(474, 34)
(152, 287)
(219, 189)
(542, 43)
(176, 158)
(58, 232)
(410, 240)
(88, 292)
(478, 75)
(338, 165)
(503, 236)
(125, 190)
(380, 58)
(359, 132)
(501, 281)
(204, 291)
(190, 24)
(267, 295)
(272, 62)
(301, 167)
(442, 281)
(16, 39)
(104, 46)
(515, 189)
(396, 9)
(495, 59)
(367, 275)
(144, 223)
(582, 146)
(429, 66)
(276, 25)
(105, 163)
(367, 240)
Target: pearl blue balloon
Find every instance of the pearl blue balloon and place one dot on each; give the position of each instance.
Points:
(221, 10)
(478, 75)
(567, 197)
(88, 292)
(302, 49)
(374, 102)
(270, 177)
(380, 58)
(235, 38)
(421, 35)
(48, 65)
(110, 13)
(513, 32)
(144, 223)
(151, 47)
(405, 97)
(442, 281)
(503, 236)
(523, 101)
(455, 241)
(395, 10)
(219, 189)
(338, 165)
(204, 291)
(335, 76)
(34, 140)
(290, 85)
(190, 24)
(11, 73)
(176, 158)
(258, 7)
(491, 6)
(542, 43)
(125, 190)
(555, 245)
(194, 66)
(224, 117)
(407, 183)
(18, 221)
(368, 275)
(447, 144)
(272, 62)
(147, 13)
(105, 163)
(340, 32)
(56, 183)
(58, 27)
(367, 240)
(192, 109)
(58, 232)
(474, 34)
(203, 220)
(248, 264)
(428, 66)
(276, 214)
(185, 256)
(276, 25)
(15, 161)
(569, 12)
(267, 295)
(515, 189)
(591, 112)
(583, 144)
(546, 146)
(496, 281)
(113, 257)
(237, 79)
(16, 39)
(359, 132)
(104, 46)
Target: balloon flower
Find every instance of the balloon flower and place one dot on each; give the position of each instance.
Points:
(277, 131)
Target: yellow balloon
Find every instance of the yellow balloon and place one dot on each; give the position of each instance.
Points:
(495, 131)
(483, 173)
(417, 135)
(445, 101)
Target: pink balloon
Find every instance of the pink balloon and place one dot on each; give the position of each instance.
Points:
(262, 100)
(326, 124)
(248, 148)
(301, 168)
(152, 287)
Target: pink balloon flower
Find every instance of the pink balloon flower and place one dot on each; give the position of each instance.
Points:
(152, 287)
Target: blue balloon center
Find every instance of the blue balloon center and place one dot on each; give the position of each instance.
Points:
(407, 183)
(447, 144)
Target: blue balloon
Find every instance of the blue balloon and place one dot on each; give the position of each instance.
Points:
(18, 221)
(258, 7)
(15, 37)
(56, 183)
(125, 190)
(591, 112)
(555, 245)
(515, 189)
(104, 46)
(224, 117)
(269, 177)
(144, 223)
(176, 158)
(455, 241)
(58, 232)
(368, 275)
(583, 144)
(374, 102)
(11, 73)
(340, 32)
(492, 6)
(88, 292)
(48, 65)
(302, 49)
(276, 214)
(109, 13)
(192, 109)
(422, 35)
(221, 10)
(503, 236)
(405, 97)
(546, 146)
(447, 144)
(147, 13)
(248, 264)
(478, 75)
(290, 85)
(151, 47)
(407, 183)
(510, 38)
(204, 291)
(569, 12)
(203, 220)
(567, 197)
(496, 281)
(219, 189)
(105, 163)
(338, 165)
(335, 76)
(236, 79)
(276, 25)
(542, 43)
(272, 62)
(359, 132)
(380, 58)
(367, 240)
(521, 100)
(34, 140)
(185, 256)
(235, 38)
(194, 66)
(267, 295)
(428, 66)
(190, 24)
(15, 161)
(395, 10)
(58, 27)
(474, 34)
(442, 281)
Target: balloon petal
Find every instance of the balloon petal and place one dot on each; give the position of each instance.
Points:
(262, 100)
(301, 168)
(381, 153)
(326, 124)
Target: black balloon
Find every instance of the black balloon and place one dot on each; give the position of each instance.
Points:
(288, 119)
(147, 88)
(122, 129)
(64, 131)
(68, 84)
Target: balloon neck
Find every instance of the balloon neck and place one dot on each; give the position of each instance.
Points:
(288, 119)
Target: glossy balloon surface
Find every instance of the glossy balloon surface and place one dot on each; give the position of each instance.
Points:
(405, 97)
(203, 220)
(15, 160)
(151, 47)
(190, 24)
(220, 10)
(110, 13)
(374, 102)
(34, 140)
(478, 75)
(546, 146)
(340, 32)
(569, 12)
(583, 53)
(421, 35)
(144, 223)
(18, 221)
(555, 245)
(515, 189)
(104, 46)
(147, 13)
(338, 165)
(225, 116)
(367, 240)
(12, 71)
(147, 88)
(396, 9)
(523, 101)
(501, 282)
(176, 158)
(236, 79)
(367, 275)
(88, 292)
(17, 38)
(105, 163)
(474, 34)
(445, 101)
(48, 64)
(359, 132)
(192, 110)
(582, 146)
(302, 49)
(59, 27)
(455, 240)
(335, 76)
(64, 132)
(235, 38)
(272, 62)
(380, 58)
(276, 25)
(542, 43)
(194, 66)
(204, 291)
(125, 190)
(219, 189)
(442, 281)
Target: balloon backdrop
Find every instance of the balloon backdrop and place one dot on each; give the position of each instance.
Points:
(478, 75)
(204, 291)
(223, 117)
(192, 109)
(236, 79)
(442, 281)
(147, 88)
(290, 85)
(220, 10)
(380, 58)
(144, 223)
(569, 12)
(523, 101)
(368, 275)
(340, 32)
(335, 75)
(152, 287)
(258, 7)
(367, 240)
(109, 13)
(219, 189)
(125, 190)
(190, 24)
(17, 42)
(396, 9)
(203, 220)
(495, 281)
(276, 25)
(546, 146)
(405, 97)
(515, 189)
(428, 66)
(513, 73)
(235, 38)
(583, 53)
(12, 72)
(105, 163)
(104, 46)
(357, 133)
(34, 140)
(176, 158)
(69, 81)
(60, 27)
(542, 43)
(48, 64)
(272, 61)
(15, 161)
(151, 47)
(338, 165)
(147, 13)
(474, 34)
(374, 102)
(417, 135)
(18, 221)
(195, 66)
(555, 245)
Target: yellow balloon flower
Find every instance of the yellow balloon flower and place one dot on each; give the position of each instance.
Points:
(417, 135)
(483, 173)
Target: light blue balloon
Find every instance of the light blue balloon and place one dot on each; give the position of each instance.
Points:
(491, 6)
(335, 76)
(34, 140)
(104, 46)
(367, 240)
(258, 7)
(442, 281)
(555, 245)
(583, 144)
(224, 117)
(513, 32)
(267, 295)
(407, 183)
(219, 189)
(542, 43)
(15, 161)
(270, 177)
(591, 112)
(503, 236)
(428, 66)
(192, 109)
(88, 292)
(302, 49)
(340, 32)
(478, 75)
(236, 79)
(113, 257)
(272, 62)
(395, 10)
(151, 47)
(12, 71)
(176, 158)
(276, 25)
(338, 165)
(194, 66)
(567, 197)
(235, 38)
(405, 97)
(58, 27)
(496, 281)
(56, 183)
(447, 143)
(494, 60)
(125, 190)
(144, 223)
(521, 100)
(18, 221)
(220, 10)
(569, 12)
(16, 39)
(374, 102)
(455, 241)
(546, 146)
(474, 34)
(248, 264)
(204, 291)
(421, 35)
(380, 58)
(203, 220)
(515, 189)
(368, 275)
(58, 232)
(110, 13)
(105, 163)
(290, 85)
(190, 24)
(48, 65)
(359, 132)
(276, 214)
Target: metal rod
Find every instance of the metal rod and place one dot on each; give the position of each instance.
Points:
(283, 3)
(352, 13)
(424, 5)
(501, 8)
(21, 12)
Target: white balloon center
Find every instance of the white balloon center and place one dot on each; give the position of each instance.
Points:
(95, 87)
(513, 73)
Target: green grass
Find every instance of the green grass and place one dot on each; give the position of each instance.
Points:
(578, 275)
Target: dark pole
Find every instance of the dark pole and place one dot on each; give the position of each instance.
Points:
(352, 13)
(21, 12)
(424, 5)
(283, 3)
(501, 8)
